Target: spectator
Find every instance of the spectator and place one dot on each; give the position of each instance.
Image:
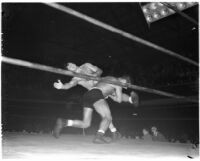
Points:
(183, 138)
(146, 135)
(157, 136)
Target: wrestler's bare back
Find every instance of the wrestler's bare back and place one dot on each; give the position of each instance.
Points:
(87, 70)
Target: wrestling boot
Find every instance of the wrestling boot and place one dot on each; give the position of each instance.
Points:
(60, 124)
(99, 139)
(116, 136)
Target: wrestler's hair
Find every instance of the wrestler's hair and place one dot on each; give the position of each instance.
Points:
(66, 64)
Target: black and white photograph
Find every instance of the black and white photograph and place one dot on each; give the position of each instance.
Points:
(100, 80)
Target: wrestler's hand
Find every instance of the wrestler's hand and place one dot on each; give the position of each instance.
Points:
(134, 99)
(58, 84)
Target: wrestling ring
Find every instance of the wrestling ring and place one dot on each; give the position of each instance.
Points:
(19, 145)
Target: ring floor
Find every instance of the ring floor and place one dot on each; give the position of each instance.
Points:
(18, 145)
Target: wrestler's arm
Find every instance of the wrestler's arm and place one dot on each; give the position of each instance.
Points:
(70, 84)
(117, 96)
(133, 98)
(96, 71)
(113, 97)
(60, 85)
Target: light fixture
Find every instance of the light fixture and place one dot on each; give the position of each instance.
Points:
(160, 4)
(149, 18)
(163, 12)
(180, 6)
(156, 15)
(145, 10)
(153, 6)
(157, 10)
(190, 3)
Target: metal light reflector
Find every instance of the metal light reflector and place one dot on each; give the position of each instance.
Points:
(155, 11)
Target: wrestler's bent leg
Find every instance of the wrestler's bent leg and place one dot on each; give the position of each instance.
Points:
(86, 122)
(60, 123)
(103, 109)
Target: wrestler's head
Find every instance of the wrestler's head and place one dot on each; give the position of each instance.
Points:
(125, 79)
(71, 67)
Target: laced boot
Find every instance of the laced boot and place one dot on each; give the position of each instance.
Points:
(99, 139)
(60, 124)
(116, 136)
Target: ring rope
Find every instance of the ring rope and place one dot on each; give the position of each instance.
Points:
(37, 66)
(120, 32)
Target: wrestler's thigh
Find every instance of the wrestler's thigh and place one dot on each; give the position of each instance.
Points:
(102, 108)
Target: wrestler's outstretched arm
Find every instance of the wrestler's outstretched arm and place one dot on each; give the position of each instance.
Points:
(60, 85)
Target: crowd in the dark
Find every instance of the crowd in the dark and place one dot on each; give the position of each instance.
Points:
(163, 74)
(44, 125)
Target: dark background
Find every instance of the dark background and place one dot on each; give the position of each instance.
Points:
(38, 33)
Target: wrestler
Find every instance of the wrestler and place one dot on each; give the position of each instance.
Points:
(92, 70)
(87, 69)
(94, 99)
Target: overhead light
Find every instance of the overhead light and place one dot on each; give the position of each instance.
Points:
(190, 3)
(149, 18)
(157, 10)
(153, 6)
(156, 16)
(180, 6)
(163, 12)
(145, 10)
(160, 4)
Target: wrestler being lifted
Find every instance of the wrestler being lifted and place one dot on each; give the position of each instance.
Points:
(95, 99)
